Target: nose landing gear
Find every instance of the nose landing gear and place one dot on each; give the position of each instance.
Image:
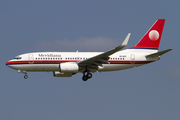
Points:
(25, 76)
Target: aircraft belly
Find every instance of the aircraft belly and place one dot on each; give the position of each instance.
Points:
(16, 67)
(41, 67)
(114, 67)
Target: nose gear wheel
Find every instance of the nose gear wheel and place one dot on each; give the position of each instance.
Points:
(25, 76)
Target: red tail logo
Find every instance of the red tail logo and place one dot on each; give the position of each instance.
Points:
(152, 38)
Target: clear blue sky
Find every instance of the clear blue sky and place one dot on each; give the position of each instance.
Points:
(150, 92)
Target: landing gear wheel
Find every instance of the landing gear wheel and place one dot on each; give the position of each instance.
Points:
(84, 78)
(89, 75)
(25, 76)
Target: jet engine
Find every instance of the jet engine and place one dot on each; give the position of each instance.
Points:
(70, 67)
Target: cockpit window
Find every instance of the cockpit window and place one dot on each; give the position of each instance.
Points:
(18, 58)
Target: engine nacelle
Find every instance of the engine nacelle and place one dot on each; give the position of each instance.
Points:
(59, 74)
(70, 67)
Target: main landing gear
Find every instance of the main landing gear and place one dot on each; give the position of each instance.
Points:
(86, 76)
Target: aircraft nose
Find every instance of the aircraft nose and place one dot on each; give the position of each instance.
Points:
(7, 63)
(12, 65)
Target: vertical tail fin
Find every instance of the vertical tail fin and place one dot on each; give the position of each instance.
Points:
(152, 38)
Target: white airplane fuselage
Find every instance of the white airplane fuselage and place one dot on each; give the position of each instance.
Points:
(49, 61)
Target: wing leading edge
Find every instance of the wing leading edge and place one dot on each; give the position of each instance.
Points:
(94, 62)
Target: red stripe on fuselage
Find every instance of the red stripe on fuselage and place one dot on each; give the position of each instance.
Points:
(63, 61)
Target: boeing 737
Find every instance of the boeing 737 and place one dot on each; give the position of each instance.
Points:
(66, 64)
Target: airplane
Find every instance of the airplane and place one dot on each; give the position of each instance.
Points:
(66, 64)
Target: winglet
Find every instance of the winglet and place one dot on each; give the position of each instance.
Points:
(125, 42)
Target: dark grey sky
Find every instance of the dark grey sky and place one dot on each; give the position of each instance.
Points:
(143, 93)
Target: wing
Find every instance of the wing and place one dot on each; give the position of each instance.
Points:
(94, 62)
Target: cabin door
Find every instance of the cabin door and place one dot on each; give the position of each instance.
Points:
(31, 58)
(132, 57)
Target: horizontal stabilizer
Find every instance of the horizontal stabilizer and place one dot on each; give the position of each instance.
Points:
(158, 53)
